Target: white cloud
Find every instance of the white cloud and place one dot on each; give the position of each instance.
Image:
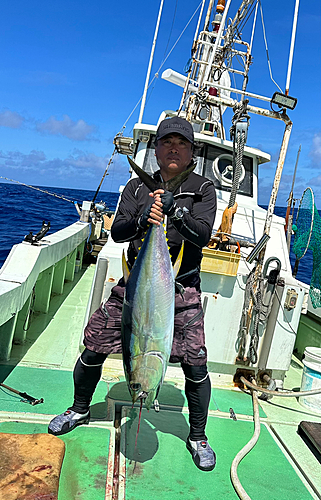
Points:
(75, 130)
(80, 169)
(11, 119)
(16, 159)
(315, 181)
(316, 147)
(37, 160)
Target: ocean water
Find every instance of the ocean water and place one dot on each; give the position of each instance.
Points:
(23, 209)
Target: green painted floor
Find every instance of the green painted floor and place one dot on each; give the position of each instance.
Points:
(238, 400)
(54, 386)
(169, 395)
(161, 468)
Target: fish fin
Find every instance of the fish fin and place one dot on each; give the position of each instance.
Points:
(147, 179)
(176, 181)
(170, 185)
(178, 261)
(126, 271)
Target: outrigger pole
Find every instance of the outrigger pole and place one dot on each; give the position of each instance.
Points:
(285, 141)
(295, 19)
(142, 106)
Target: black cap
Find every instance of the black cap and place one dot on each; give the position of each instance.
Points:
(175, 125)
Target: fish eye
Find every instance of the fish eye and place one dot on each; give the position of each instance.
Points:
(135, 387)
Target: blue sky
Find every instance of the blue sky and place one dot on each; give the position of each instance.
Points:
(71, 73)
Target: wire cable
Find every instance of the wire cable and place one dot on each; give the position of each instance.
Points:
(267, 50)
(162, 64)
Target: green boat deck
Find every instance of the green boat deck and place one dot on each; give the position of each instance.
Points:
(102, 461)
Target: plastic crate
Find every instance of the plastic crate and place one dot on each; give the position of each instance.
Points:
(218, 262)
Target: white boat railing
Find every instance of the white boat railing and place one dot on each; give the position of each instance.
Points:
(29, 276)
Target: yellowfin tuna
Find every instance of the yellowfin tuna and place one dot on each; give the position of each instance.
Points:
(148, 309)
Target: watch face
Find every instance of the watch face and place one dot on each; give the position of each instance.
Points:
(179, 213)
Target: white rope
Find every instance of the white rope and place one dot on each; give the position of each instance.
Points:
(242, 494)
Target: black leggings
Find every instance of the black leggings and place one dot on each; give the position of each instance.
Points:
(87, 374)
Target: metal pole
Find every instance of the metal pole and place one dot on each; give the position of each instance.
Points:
(217, 41)
(295, 19)
(288, 210)
(142, 107)
(208, 15)
(198, 24)
(277, 179)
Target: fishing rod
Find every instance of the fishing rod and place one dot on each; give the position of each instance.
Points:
(105, 173)
(26, 398)
(38, 189)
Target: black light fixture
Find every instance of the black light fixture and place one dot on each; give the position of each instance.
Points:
(284, 101)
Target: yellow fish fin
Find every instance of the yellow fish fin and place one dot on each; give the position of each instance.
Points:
(178, 261)
(126, 271)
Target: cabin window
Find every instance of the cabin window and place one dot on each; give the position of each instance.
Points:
(215, 163)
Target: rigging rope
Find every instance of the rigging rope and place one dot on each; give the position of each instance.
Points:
(267, 50)
(257, 306)
(171, 30)
(160, 67)
(238, 134)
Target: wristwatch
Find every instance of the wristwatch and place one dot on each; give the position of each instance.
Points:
(178, 214)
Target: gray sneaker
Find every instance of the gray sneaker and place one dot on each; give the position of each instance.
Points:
(67, 421)
(203, 455)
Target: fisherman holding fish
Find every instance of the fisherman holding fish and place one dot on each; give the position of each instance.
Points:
(189, 202)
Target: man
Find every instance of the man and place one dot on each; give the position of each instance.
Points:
(190, 212)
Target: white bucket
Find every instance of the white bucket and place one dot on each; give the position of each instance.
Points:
(311, 378)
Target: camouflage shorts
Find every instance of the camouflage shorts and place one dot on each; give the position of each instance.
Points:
(103, 332)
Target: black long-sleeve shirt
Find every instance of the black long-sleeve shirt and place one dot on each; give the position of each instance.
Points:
(196, 196)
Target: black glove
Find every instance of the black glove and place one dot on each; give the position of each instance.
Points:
(169, 205)
(143, 219)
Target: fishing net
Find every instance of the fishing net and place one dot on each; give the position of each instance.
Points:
(308, 236)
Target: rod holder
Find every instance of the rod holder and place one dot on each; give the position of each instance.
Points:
(257, 249)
